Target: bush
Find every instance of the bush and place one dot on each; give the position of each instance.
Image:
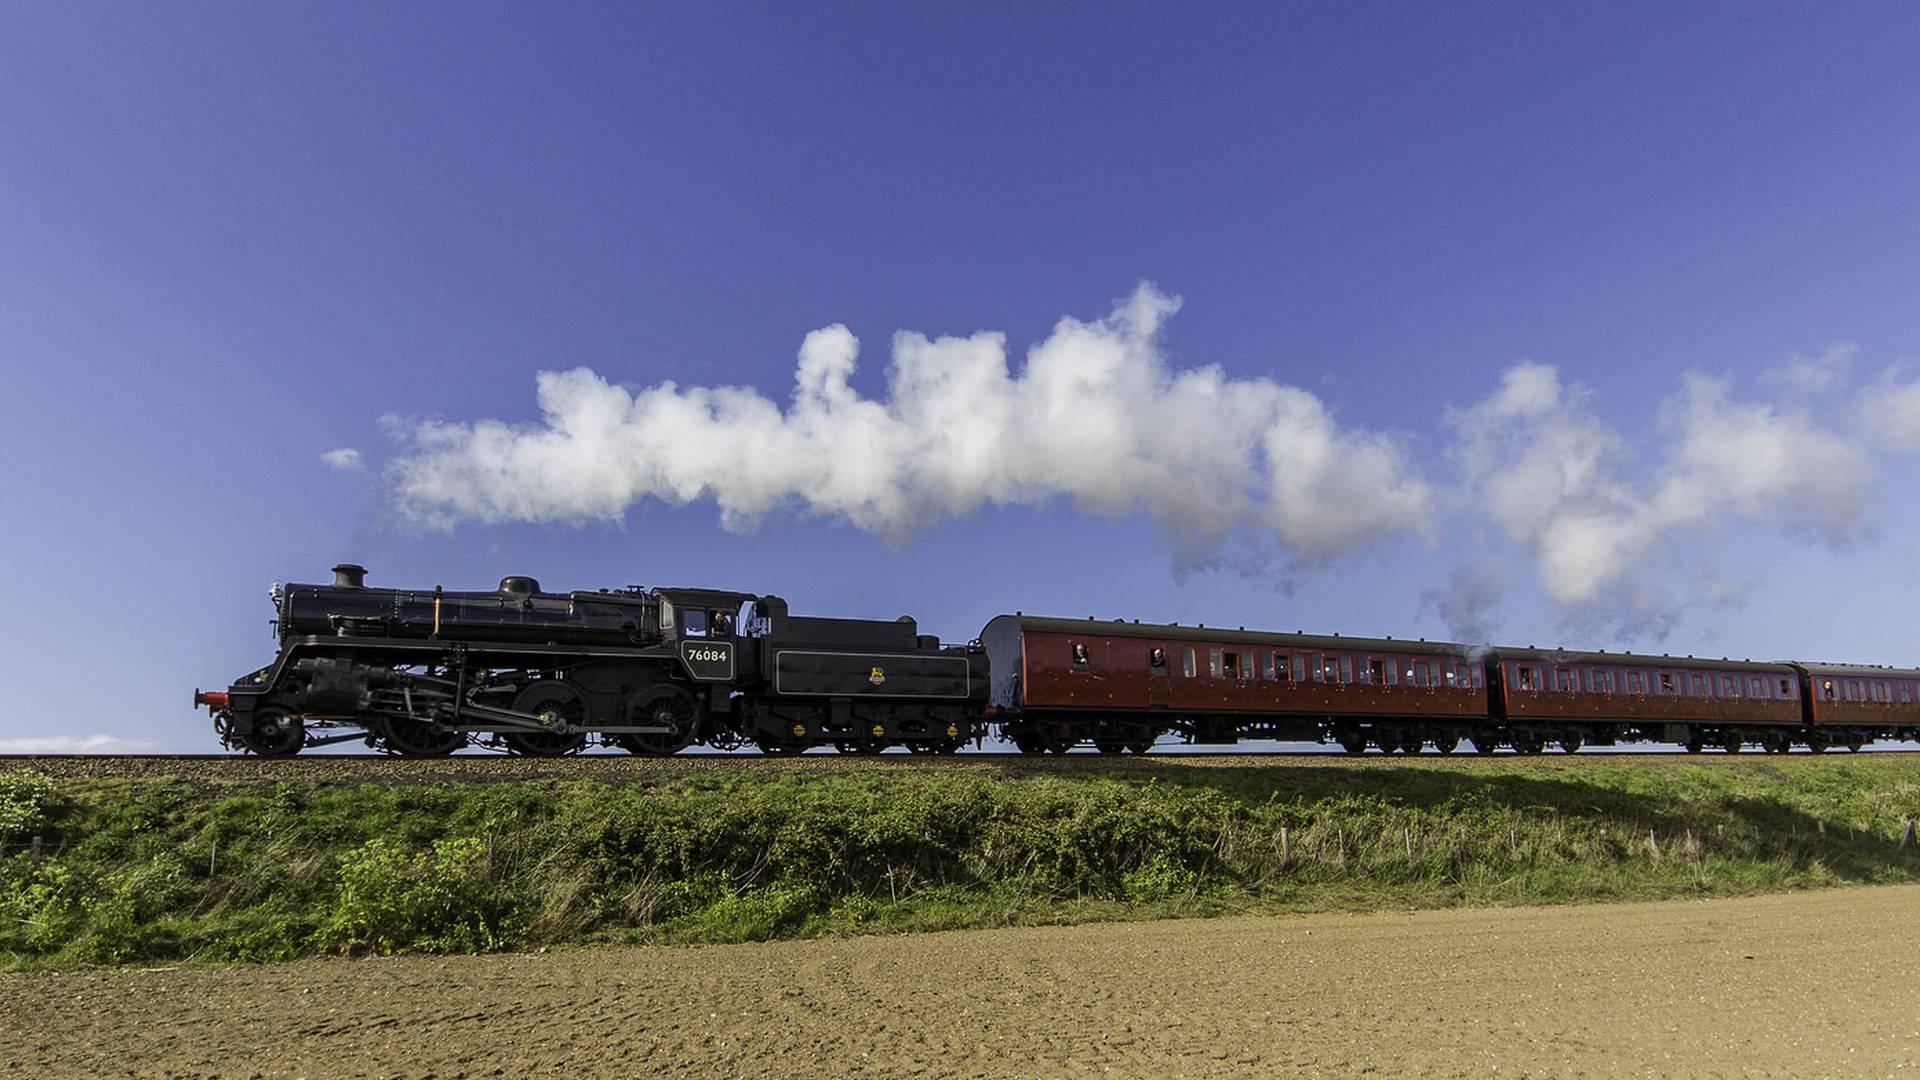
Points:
(23, 799)
(433, 901)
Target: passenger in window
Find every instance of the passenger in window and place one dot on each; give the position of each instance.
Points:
(1079, 656)
(1157, 658)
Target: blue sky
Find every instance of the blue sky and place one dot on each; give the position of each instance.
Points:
(1617, 303)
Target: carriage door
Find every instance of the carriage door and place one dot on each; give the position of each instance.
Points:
(1159, 674)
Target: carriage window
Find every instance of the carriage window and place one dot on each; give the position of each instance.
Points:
(1729, 688)
(1696, 686)
(1333, 670)
(1232, 665)
(1157, 660)
(1880, 692)
(1666, 682)
(1636, 682)
(1079, 656)
(1346, 669)
(1786, 688)
(1272, 668)
(1313, 665)
(1826, 689)
(1420, 674)
(1525, 676)
(1906, 698)
(1189, 662)
(1376, 671)
(1213, 662)
(1299, 667)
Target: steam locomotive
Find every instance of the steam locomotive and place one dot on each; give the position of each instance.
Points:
(423, 673)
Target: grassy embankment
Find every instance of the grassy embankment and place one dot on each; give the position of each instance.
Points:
(167, 870)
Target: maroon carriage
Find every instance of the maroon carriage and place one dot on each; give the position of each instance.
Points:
(1120, 685)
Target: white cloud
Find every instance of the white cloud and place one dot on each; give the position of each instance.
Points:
(346, 459)
(1553, 476)
(77, 744)
(1813, 374)
(1891, 408)
(1096, 415)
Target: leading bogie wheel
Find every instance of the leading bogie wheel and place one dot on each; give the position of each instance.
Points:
(276, 733)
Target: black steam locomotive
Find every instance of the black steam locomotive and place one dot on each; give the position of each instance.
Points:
(423, 673)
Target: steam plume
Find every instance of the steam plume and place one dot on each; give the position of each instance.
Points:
(1095, 415)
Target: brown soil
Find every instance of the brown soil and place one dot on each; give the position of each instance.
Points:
(1824, 983)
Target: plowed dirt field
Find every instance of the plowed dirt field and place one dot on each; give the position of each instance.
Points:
(1809, 984)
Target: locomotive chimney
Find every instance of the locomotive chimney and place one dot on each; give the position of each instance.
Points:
(349, 576)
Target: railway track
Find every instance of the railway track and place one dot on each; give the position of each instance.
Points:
(614, 766)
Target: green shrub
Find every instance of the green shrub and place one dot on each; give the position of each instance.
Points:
(23, 798)
(439, 900)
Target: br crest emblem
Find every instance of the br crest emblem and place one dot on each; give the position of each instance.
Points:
(878, 677)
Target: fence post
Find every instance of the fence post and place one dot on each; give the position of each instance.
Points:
(1653, 844)
(1906, 833)
(36, 847)
(1342, 853)
(212, 854)
(1407, 834)
(1286, 846)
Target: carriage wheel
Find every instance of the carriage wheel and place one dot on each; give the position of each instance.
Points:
(1353, 742)
(1570, 744)
(1447, 744)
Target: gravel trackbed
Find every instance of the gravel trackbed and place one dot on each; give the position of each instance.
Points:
(1806, 984)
